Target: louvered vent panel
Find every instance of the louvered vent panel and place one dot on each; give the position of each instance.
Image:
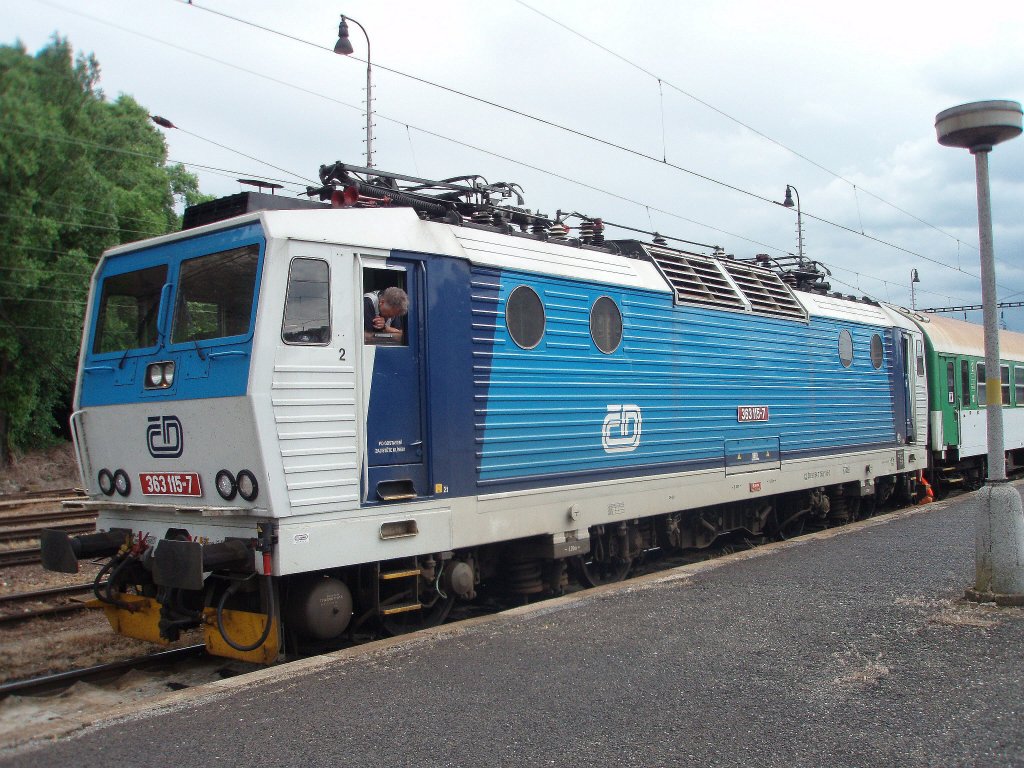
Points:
(765, 291)
(696, 280)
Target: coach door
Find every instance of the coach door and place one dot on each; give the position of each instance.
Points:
(393, 380)
(902, 389)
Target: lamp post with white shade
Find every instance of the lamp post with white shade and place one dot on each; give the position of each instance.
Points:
(999, 562)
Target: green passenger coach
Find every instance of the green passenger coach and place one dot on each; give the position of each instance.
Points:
(958, 380)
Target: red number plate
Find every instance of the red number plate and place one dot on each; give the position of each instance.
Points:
(752, 413)
(170, 484)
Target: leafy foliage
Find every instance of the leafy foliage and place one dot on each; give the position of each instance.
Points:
(78, 174)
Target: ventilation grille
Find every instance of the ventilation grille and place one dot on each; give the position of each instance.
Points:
(765, 291)
(725, 284)
(696, 279)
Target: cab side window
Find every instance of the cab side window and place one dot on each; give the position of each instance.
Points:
(307, 305)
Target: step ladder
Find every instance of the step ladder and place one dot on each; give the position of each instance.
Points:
(398, 579)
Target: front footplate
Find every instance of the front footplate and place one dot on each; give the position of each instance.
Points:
(244, 628)
(141, 621)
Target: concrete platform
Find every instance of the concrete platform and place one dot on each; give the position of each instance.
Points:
(845, 648)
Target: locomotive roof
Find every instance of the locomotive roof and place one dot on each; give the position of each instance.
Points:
(400, 229)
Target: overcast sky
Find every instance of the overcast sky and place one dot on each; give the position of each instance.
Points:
(837, 99)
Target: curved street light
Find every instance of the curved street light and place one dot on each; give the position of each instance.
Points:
(344, 48)
(788, 203)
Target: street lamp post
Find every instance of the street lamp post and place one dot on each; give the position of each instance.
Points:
(999, 562)
(344, 48)
(914, 278)
(788, 203)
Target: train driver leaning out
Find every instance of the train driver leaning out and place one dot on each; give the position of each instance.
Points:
(384, 316)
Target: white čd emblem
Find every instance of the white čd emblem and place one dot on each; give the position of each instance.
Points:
(621, 430)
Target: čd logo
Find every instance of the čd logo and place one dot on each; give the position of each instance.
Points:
(165, 437)
(621, 430)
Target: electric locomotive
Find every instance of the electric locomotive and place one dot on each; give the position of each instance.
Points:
(270, 465)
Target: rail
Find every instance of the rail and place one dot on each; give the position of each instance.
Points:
(61, 680)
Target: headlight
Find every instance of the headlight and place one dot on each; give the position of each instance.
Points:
(160, 375)
(122, 483)
(248, 489)
(106, 481)
(226, 486)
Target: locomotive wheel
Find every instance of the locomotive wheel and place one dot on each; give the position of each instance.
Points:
(430, 615)
(594, 573)
(789, 528)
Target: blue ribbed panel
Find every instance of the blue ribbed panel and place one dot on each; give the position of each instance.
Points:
(540, 412)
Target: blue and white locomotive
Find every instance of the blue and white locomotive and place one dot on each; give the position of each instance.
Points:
(268, 467)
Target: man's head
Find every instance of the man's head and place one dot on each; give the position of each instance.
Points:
(394, 302)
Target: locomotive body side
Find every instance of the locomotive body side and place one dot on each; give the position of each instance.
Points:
(545, 401)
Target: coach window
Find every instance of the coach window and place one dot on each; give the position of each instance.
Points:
(385, 307)
(982, 398)
(919, 346)
(606, 325)
(307, 305)
(845, 348)
(1018, 384)
(524, 317)
(876, 351)
(965, 384)
(1004, 381)
(951, 382)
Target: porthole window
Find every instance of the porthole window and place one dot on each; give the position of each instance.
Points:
(606, 325)
(845, 348)
(876, 351)
(524, 317)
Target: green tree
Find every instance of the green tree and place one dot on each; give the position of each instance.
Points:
(78, 174)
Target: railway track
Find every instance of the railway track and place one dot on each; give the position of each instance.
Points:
(28, 498)
(60, 680)
(20, 556)
(19, 523)
(24, 534)
(11, 613)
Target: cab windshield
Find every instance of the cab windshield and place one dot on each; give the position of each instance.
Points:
(215, 295)
(129, 305)
(213, 298)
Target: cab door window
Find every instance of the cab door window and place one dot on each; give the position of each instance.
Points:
(385, 307)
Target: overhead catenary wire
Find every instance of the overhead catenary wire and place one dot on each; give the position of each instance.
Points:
(606, 142)
(737, 121)
(637, 153)
(165, 123)
(19, 129)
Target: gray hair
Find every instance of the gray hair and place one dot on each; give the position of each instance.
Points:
(396, 298)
